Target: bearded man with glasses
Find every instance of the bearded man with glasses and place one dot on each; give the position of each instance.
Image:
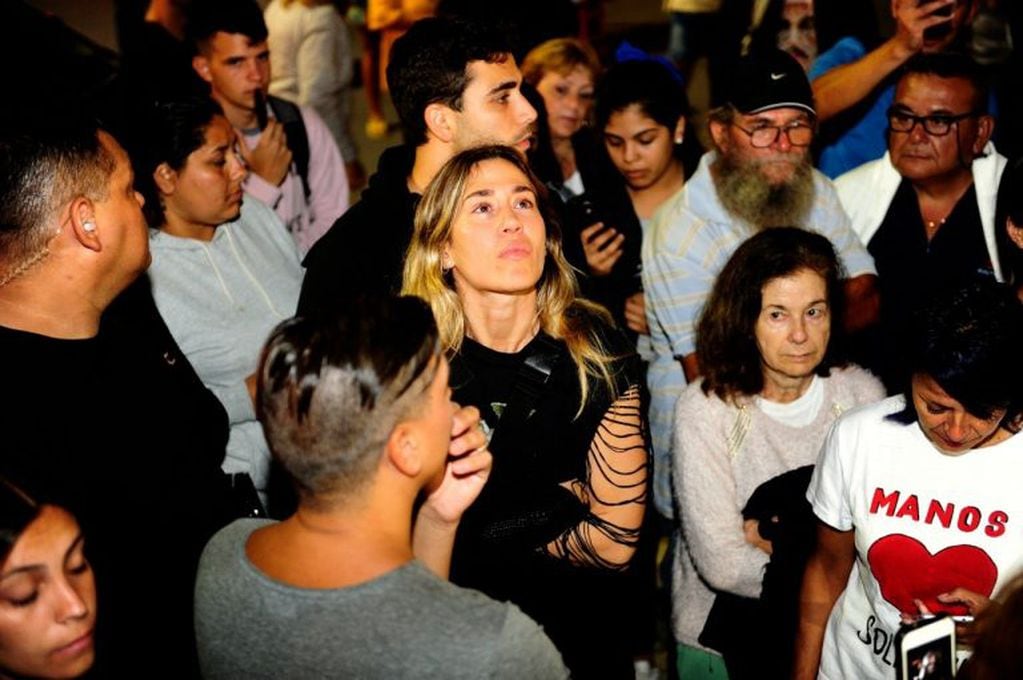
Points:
(926, 210)
(759, 176)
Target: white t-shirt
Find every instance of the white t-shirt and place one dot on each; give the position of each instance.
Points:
(925, 523)
(799, 412)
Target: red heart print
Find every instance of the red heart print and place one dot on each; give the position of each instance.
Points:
(906, 571)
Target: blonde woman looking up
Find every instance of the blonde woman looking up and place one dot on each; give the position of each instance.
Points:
(557, 388)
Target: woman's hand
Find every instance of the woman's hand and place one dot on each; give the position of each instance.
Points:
(635, 313)
(602, 247)
(751, 531)
(975, 604)
(467, 470)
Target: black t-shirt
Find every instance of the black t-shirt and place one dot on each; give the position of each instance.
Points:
(119, 429)
(499, 549)
(910, 268)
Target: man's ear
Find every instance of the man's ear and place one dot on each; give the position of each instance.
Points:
(402, 450)
(85, 227)
(165, 178)
(985, 128)
(440, 121)
(201, 64)
(719, 133)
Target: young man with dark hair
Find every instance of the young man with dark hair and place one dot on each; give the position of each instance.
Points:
(455, 85)
(295, 165)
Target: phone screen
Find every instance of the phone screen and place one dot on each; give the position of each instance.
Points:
(926, 650)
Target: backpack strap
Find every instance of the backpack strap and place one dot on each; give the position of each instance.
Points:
(530, 382)
(289, 115)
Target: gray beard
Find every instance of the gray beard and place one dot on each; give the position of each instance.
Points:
(747, 195)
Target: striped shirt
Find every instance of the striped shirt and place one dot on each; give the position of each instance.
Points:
(691, 239)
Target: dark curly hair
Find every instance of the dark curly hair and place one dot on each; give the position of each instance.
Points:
(726, 342)
(967, 339)
(429, 64)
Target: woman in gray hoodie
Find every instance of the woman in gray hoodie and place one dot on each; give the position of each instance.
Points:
(224, 270)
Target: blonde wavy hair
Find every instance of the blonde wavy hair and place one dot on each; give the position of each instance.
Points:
(563, 315)
(559, 55)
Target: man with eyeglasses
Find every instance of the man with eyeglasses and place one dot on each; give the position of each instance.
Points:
(926, 210)
(853, 84)
(759, 176)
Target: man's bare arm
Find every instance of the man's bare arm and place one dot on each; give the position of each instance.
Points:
(845, 86)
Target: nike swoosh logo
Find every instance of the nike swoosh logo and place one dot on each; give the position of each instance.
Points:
(778, 76)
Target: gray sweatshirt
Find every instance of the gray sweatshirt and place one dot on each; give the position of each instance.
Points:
(220, 300)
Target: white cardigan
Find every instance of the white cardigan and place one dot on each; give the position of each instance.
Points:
(866, 193)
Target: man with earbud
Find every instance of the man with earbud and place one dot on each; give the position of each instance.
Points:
(100, 407)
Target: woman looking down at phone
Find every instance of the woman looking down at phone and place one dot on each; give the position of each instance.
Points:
(641, 112)
(773, 385)
(224, 270)
(559, 518)
(601, 234)
(918, 496)
(47, 592)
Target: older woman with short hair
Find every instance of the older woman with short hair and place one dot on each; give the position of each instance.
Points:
(772, 386)
(558, 388)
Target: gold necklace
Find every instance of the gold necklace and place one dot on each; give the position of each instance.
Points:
(932, 226)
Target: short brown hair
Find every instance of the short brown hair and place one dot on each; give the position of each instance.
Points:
(332, 389)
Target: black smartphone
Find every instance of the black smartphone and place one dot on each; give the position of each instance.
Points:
(582, 212)
(259, 103)
(942, 30)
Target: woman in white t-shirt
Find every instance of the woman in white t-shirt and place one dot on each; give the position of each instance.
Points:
(918, 497)
(772, 387)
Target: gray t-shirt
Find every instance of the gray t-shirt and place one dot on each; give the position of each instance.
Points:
(405, 624)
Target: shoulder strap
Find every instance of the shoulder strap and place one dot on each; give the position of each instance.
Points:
(290, 117)
(530, 382)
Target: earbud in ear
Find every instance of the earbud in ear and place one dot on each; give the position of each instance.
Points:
(89, 226)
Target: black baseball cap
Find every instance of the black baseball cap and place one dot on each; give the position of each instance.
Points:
(768, 79)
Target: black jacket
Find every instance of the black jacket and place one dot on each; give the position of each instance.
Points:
(364, 251)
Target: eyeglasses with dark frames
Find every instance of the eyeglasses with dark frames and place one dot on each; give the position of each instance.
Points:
(763, 136)
(936, 124)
